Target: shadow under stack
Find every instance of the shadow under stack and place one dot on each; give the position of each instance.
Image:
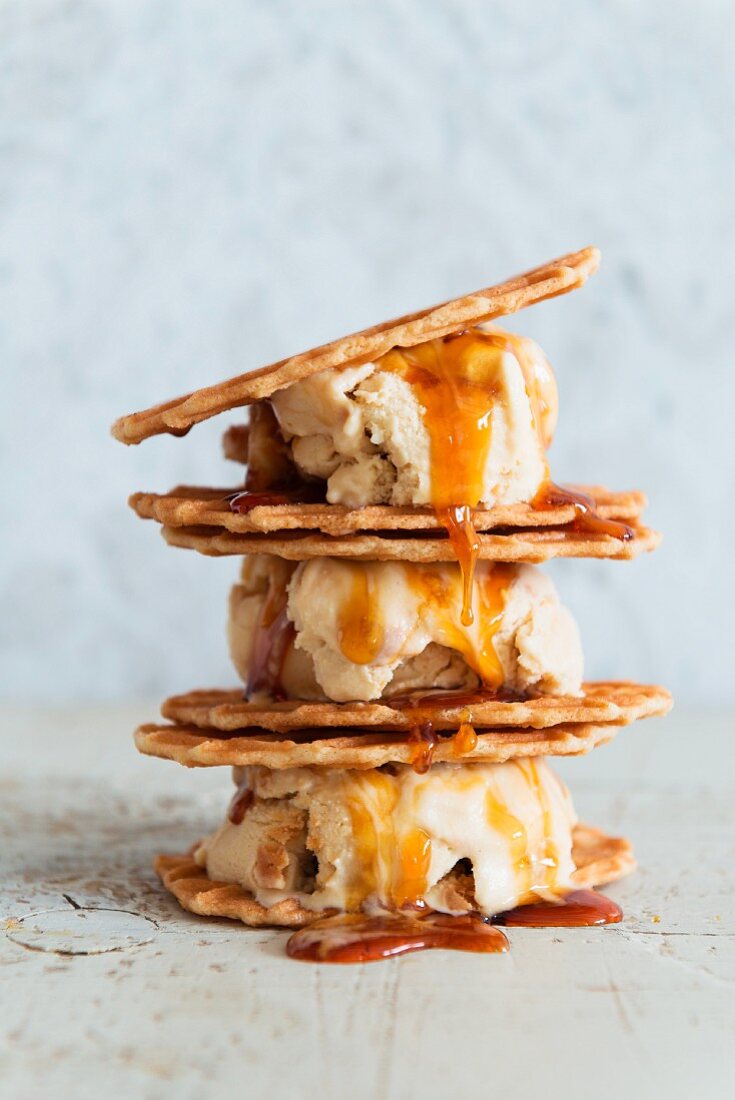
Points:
(408, 669)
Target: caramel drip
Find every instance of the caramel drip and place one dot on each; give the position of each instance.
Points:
(549, 857)
(355, 938)
(457, 381)
(244, 502)
(360, 623)
(392, 866)
(422, 740)
(586, 520)
(437, 589)
(414, 859)
(428, 703)
(372, 833)
(512, 828)
(465, 739)
(493, 591)
(539, 381)
(466, 545)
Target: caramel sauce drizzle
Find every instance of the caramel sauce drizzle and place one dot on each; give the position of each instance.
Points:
(306, 492)
(550, 854)
(361, 633)
(457, 380)
(586, 520)
(423, 737)
(436, 588)
(360, 624)
(413, 869)
(422, 741)
(465, 739)
(391, 863)
(458, 521)
(483, 660)
(514, 831)
(372, 833)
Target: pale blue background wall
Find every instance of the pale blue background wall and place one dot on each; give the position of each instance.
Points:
(189, 189)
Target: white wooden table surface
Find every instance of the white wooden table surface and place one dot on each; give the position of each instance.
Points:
(185, 1007)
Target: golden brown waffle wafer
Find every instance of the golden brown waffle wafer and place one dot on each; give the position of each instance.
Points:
(523, 545)
(189, 506)
(619, 702)
(599, 858)
(196, 747)
(177, 416)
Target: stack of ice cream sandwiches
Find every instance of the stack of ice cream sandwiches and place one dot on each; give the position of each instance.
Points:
(407, 668)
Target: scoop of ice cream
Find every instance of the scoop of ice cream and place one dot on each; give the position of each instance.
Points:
(363, 630)
(463, 836)
(380, 434)
(262, 576)
(361, 622)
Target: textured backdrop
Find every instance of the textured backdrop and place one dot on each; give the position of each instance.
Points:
(190, 189)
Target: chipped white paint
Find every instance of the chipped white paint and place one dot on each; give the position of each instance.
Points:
(78, 931)
(646, 1009)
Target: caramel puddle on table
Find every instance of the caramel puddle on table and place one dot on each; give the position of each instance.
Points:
(354, 938)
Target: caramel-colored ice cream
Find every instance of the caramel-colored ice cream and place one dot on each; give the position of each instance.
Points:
(365, 630)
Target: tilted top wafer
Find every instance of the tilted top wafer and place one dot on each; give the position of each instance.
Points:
(177, 416)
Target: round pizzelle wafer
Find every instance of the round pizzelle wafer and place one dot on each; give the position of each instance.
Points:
(177, 416)
(524, 545)
(599, 858)
(203, 748)
(189, 506)
(620, 702)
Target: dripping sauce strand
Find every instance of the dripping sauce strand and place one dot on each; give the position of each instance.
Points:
(422, 741)
(586, 520)
(422, 708)
(306, 492)
(355, 938)
(459, 524)
(455, 380)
